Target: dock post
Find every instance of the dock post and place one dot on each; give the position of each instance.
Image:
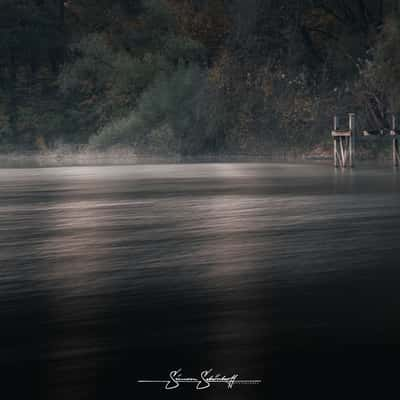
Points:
(335, 149)
(335, 153)
(396, 152)
(352, 127)
(395, 143)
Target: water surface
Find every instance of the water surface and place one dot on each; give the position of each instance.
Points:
(285, 273)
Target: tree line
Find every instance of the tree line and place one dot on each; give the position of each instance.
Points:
(193, 76)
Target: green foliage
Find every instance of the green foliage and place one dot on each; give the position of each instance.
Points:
(376, 89)
(108, 80)
(177, 104)
(91, 68)
(381, 74)
(6, 139)
(179, 76)
(120, 132)
(177, 48)
(98, 68)
(132, 75)
(158, 15)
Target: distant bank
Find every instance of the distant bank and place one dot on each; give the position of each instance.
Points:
(127, 156)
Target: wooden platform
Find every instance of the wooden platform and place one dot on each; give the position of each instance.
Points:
(344, 139)
(341, 133)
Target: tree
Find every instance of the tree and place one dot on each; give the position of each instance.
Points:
(30, 35)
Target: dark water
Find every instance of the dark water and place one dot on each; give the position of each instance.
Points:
(285, 273)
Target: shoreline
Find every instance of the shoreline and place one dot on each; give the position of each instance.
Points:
(127, 157)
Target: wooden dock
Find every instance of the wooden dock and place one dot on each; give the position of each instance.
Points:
(344, 141)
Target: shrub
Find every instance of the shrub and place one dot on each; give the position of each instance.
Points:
(178, 108)
(123, 131)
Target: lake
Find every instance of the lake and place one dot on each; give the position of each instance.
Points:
(284, 273)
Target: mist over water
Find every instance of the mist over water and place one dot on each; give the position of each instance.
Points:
(108, 275)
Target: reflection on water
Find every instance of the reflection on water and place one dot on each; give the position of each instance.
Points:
(113, 274)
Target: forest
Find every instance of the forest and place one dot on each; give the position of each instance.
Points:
(193, 77)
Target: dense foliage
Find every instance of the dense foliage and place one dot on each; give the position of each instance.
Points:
(193, 76)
